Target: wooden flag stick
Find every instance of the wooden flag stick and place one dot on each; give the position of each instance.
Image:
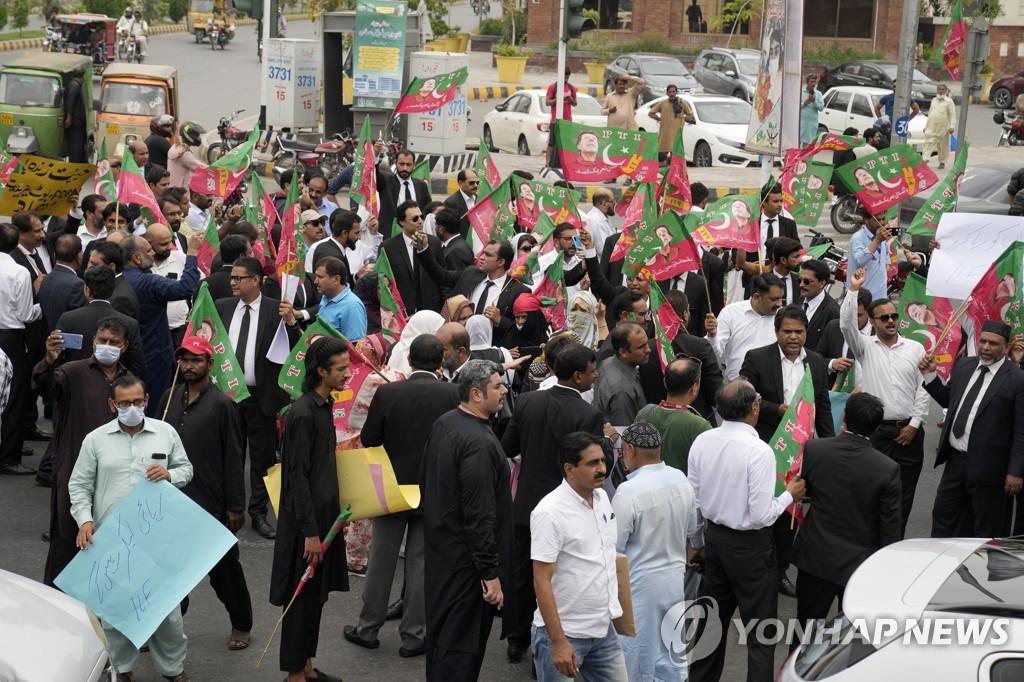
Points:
(953, 320)
(174, 381)
(800, 472)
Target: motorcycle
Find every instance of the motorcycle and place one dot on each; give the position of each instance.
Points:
(134, 55)
(330, 155)
(835, 258)
(230, 136)
(122, 45)
(218, 34)
(54, 40)
(481, 8)
(845, 214)
(1013, 128)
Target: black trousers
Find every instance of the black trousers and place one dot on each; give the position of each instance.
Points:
(260, 434)
(228, 580)
(814, 597)
(526, 598)
(957, 498)
(740, 571)
(909, 457)
(76, 143)
(12, 423)
(300, 631)
(448, 665)
(783, 536)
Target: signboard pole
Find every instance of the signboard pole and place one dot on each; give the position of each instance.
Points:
(905, 64)
(560, 71)
(263, 77)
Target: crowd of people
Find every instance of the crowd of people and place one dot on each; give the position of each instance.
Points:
(542, 453)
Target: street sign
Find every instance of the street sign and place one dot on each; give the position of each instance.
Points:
(902, 126)
(292, 74)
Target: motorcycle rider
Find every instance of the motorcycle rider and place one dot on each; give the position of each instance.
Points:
(140, 29)
(181, 162)
(159, 141)
(123, 28)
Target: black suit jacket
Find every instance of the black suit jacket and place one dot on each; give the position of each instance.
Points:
(219, 283)
(612, 271)
(996, 444)
(762, 367)
(401, 413)
(458, 204)
(457, 254)
(697, 297)
(270, 396)
(855, 509)
(398, 256)
(539, 422)
(60, 292)
(124, 299)
(715, 269)
(421, 188)
(86, 319)
(826, 312)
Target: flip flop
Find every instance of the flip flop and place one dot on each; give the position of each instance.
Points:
(238, 642)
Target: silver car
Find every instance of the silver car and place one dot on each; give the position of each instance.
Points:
(658, 71)
(728, 72)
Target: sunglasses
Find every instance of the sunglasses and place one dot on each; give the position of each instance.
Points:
(807, 280)
(415, 218)
(473, 182)
(891, 317)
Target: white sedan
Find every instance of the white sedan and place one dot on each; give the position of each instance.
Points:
(521, 124)
(720, 130)
(853, 106)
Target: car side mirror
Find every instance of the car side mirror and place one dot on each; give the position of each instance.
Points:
(501, 107)
(730, 74)
(97, 105)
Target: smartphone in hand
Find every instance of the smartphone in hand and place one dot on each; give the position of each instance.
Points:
(71, 341)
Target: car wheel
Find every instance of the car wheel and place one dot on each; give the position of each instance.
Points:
(523, 148)
(822, 128)
(739, 94)
(488, 140)
(702, 155)
(1002, 99)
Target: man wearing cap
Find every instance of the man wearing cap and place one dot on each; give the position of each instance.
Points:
(982, 441)
(655, 512)
(312, 229)
(210, 429)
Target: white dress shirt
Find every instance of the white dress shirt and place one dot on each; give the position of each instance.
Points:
(986, 379)
(177, 311)
(45, 270)
(792, 374)
(814, 303)
(86, 236)
(492, 293)
(197, 219)
(249, 358)
(552, 380)
(406, 191)
(890, 373)
(580, 541)
(740, 328)
(411, 250)
(599, 227)
(470, 201)
(764, 232)
(789, 292)
(732, 472)
(16, 306)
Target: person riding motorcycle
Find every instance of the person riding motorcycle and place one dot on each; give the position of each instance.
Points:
(124, 23)
(140, 30)
(181, 162)
(222, 21)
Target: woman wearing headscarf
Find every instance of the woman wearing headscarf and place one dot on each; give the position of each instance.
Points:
(582, 319)
(423, 322)
(529, 329)
(523, 243)
(458, 308)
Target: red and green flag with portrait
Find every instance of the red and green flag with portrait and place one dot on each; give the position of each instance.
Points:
(223, 176)
(534, 197)
(804, 183)
(225, 373)
(642, 209)
(732, 222)
(666, 324)
(493, 217)
(552, 295)
(392, 309)
(593, 154)
(664, 248)
(924, 318)
(997, 295)
(132, 188)
(675, 187)
(954, 41)
(431, 93)
(887, 177)
(486, 172)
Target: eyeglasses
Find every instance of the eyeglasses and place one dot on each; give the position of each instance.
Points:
(807, 280)
(472, 182)
(238, 278)
(891, 317)
(125, 404)
(415, 218)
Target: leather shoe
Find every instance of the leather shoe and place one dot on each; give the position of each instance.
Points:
(45, 537)
(412, 653)
(261, 526)
(350, 635)
(44, 480)
(786, 587)
(395, 610)
(15, 470)
(36, 434)
(321, 676)
(515, 653)
(27, 452)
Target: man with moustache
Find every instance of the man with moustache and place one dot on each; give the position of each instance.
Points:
(745, 325)
(92, 227)
(170, 263)
(171, 209)
(598, 224)
(404, 187)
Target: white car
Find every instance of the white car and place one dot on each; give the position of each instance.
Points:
(48, 635)
(521, 124)
(717, 137)
(853, 106)
(904, 600)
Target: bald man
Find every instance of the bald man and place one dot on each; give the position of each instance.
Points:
(598, 223)
(169, 261)
(140, 152)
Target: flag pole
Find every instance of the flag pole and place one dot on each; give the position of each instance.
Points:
(170, 393)
(792, 517)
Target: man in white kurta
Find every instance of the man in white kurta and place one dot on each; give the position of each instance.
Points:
(941, 124)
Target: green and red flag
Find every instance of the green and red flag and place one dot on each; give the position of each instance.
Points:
(260, 211)
(225, 372)
(552, 295)
(132, 188)
(795, 429)
(675, 188)
(815, 252)
(422, 171)
(210, 247)
(288, 262)
(641, 210)
(663, 247)
(804, 184)
(493, 217)
(525, 268)
(592, 154)
(223, 176)
(9, 163)
(954, 41)
(666, 324)
(942, 199)
(363, 190)
(924, 318)
(429, 94)
(392, 309)
(106, 185)
(830, 142)
(887, 177)
(293, 370)
(998, 296)
(536, 196)
(732, 222)
(846, 381)
(486, 172)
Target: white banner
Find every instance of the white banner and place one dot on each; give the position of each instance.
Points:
(968, 244)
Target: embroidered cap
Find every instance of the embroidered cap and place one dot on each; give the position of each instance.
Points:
(642, 435)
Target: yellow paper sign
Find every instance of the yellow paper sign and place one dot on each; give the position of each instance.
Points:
(366, 481)
(48, 186)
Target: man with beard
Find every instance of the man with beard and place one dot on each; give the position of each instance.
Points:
(198, 211)
(92, 227)
(745, 325)
(618, 393)
(171, 208)
(170, 263)
(598, 225)
(455, 339)
(464, 198)
(404, 187)
(345, 243)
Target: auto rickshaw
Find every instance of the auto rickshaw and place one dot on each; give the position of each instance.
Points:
(130, 95)
(200, 14)
(32, 91)
(93, 35)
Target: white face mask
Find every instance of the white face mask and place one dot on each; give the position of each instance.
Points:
(131, 416)
(107, 355)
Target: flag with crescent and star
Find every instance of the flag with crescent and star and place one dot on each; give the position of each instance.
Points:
(225, 372)
(592, 153)
(429, 94)
(641, 209)
(535, 196)
(666, 323)
(732, 222)
(997, 295)
(887, 177)
(663, 248)
(795, 429)
(804, 184)
(943, 198)
(923, 318)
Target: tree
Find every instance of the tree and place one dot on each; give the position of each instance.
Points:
(20, 10)
(177, 9)
(3, 13)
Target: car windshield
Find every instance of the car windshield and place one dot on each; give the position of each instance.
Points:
(664, 67)
(135, 99)
(27, 90)
(585, 106)
(981, 183)
(726, 113)
(748, 66)
(989, 581)
(838, 647)
(205, 6)
(890, 72)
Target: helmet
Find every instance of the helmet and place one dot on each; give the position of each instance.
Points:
(128, 11)
(138, 13)
(191, 133)
(161, 125)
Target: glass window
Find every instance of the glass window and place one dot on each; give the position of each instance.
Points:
(715, 62)
(852, 69)
(838, 18)
(861, 106)
(748, 67)
(840, 102)
(29, 91)
(614, 14)
(890, 72)
(523, 105)
(664, 67)
(726, 113)
(134, 99)
(989, 581)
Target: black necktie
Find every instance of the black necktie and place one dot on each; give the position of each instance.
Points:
(960, 423)
(771, 229)
(482, 303)
(408, 191)
(243, 337)
(38, 261)
(806, 306)
(416, 278)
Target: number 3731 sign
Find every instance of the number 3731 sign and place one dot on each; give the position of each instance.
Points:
(292, 73)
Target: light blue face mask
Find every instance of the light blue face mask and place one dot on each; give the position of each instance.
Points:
(131, 416)
(107, 355)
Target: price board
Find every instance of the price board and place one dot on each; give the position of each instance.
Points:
(292, 70)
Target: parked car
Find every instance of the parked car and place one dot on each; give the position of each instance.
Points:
(522, 122)
(48, 635)
(717, 136)
(1005, 90)
(879, 74)
(853, 106)
(658, 71)
(919, 584)
(728, 72)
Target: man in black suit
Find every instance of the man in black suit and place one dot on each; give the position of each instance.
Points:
(252, 322)
(775, 371)
(399, 414)
(418, 290)
(464, 198)
(819, 307)
(108, 253)
(232, 247)
(488, 287)
(773, 223)
(539, 422)
(692, 284)
(30, 255)
(982, 440)
(784, 260)
(403, 187)
(97, 289)
(61, 291)
(305, 300)
(833, 347)
(697, 348)
(855, 512)
(455, 251)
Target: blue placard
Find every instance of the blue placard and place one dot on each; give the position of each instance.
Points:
(902, 126)
(150, 552)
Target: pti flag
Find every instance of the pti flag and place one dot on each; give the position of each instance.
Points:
(261, 212)
(363, 189)
(675, 189)
(664, 248)
(923, 318)
(666, 324)
(288, 262)
(641, 209)
(210, 247)
(846, 381)
(222, 176)
(732, 222)
(392, 309)
(493, 217)
(551, 292)
(133, 189)
(590, 154)
(525, 268)
(794, 430)
(887, 177)
(430, 94)
(830, 142)
(486, 172)
(536, 196)
(953, 42)
(997, 295)
(294, 368)
(422, 171)
(943, 198)
(345, 399)
(204, 321)
(105, 183)
(804, 187)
